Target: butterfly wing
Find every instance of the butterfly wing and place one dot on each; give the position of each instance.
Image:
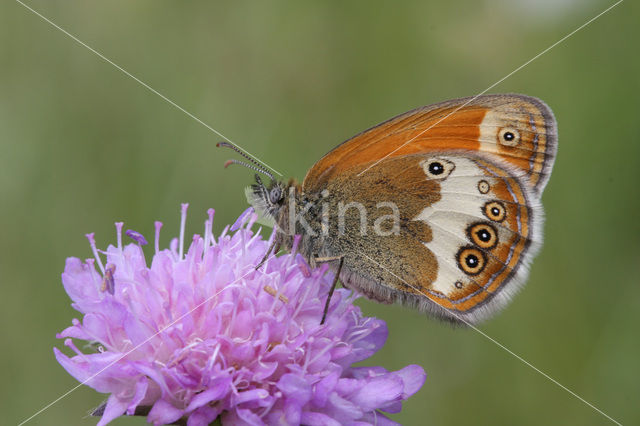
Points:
(464, 237)
(520, 129)
(468, 228)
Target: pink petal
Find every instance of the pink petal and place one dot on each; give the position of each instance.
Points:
(164, 413)
(251, 395)
(323, 389)
(342, 409)
(80, 282)
(413, 377)
(317, 419)
(378, 392)
(295, 388)
(242, 416)
(242, 219)
(216, 390)
(75, 331)
(141, 391)
(378, 419)
(203, 416)
(115, 408)
(91, 370)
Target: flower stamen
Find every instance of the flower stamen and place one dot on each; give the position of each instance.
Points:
(137, 237)
(208, 229)
(272, 291)
(119, 226)
(158, 226)
(183, 223)
(94, 249)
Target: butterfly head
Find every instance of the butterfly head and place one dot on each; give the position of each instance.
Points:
(268, 199)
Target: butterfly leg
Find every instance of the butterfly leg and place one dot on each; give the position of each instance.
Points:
(340, 259)
(274, 247)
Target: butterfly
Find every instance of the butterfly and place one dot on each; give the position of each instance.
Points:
(437, 208)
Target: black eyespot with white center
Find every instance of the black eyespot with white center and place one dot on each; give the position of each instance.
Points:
(508, 136)
(483, 235)
(495, 211)
(471, 260)
(437, 168)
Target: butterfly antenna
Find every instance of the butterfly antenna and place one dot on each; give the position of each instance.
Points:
(248, 166)
(258, 167)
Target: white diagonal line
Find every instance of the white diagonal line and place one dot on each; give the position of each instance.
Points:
(495, 84)
(145, 85)
(500, 345)
(224, 137)
(133, 349)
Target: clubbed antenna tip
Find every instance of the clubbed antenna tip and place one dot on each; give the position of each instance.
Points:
(256, 166)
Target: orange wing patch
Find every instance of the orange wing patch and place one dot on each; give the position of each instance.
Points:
(519, 129)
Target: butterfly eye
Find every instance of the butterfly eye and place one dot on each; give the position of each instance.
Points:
(437, 168)
(483, 235)
(471, 260)
(495, 211)
(275, 195)
(509, 136)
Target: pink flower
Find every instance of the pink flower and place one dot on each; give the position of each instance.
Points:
(202, 334)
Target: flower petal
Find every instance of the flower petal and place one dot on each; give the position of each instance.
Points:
(215, 391)
(242, 416)
(164, 413)
(203, 416)
(115, 408)
(378, 392)
(413, 377)
(141, 391)
(317, 419)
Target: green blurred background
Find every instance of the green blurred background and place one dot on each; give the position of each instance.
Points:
(83, 145)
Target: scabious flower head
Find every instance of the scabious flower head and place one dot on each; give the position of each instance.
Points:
(202, 335)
